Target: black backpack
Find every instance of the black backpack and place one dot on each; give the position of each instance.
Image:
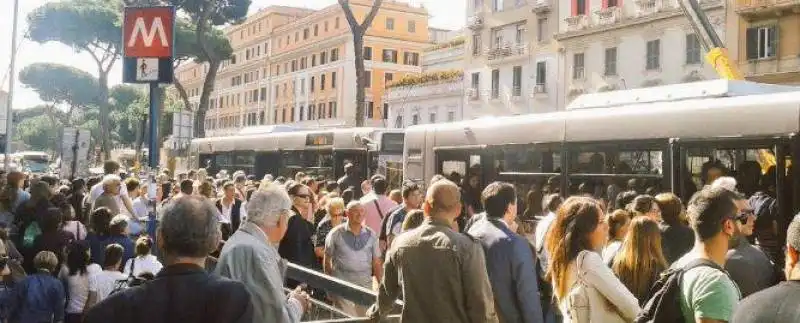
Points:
(131, 280)
(664, 299)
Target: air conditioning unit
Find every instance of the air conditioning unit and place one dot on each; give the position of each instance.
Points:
(540, 88)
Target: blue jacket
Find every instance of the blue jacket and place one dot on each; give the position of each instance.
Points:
(38, 298)
(512, 271)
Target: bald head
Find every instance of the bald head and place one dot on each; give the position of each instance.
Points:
(443, 200)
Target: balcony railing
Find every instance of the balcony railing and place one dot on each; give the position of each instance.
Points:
(541, 6)
(475, 21)
(575, 23)
(608, 16)
(649, 7)
(756, 7)
(473, 94)
(507, 50)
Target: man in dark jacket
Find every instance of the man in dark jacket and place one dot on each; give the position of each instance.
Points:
(183, 291)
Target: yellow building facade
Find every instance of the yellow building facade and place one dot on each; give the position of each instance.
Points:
(764, 38)
(296, 66)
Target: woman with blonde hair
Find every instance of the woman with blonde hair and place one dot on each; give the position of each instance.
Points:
(586, 289)
(618, 223)
(640, 260)
(334, 215)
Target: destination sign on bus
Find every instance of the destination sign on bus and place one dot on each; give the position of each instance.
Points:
(319, 139)
(392, 142)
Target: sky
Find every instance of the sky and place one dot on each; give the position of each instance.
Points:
(448, 14)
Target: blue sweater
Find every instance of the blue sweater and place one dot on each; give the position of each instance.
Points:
(38, 298)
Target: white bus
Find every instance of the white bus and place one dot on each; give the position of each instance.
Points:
(666, 138)
(34, 162)
(315, 152)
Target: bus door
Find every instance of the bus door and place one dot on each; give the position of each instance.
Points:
(701, 161)
(464, 163)
(267, 163)
(603, 170)
(357, 157)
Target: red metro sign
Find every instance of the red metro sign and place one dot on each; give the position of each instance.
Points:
(148, 32)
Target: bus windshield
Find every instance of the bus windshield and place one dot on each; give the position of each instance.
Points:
(35, 163)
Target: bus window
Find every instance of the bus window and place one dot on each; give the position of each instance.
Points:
(604, 173)
(746, 165)
(454, 166)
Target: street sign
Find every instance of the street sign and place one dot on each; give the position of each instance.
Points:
(148, 44)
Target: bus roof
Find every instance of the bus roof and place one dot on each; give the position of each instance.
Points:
(340, 138)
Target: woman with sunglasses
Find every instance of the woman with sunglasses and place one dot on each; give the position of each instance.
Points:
(297, 245)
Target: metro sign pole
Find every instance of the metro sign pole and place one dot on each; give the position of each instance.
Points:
(148, 40)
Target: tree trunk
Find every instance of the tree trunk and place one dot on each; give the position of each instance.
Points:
(105, 142)
(182, 93)
(202, 107)
(358, 50)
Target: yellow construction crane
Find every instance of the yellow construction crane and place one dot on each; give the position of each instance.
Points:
(717, 54)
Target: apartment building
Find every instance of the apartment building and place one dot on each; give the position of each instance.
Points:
(510, 60)
(620, 44)
(764, 38)
(296, 66)
(436, 95)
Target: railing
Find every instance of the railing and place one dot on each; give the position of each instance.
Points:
(541, 6)
(578, 22)
(323, 312)
(507, 51)
(649, 7)
(609, 15)
(752, 6)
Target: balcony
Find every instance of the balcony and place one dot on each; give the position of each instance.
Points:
(575, 23)
(473, 94)
(507, 52)
(649, 7)
(765, 8)
(541, 6)
(772, 70)
(475, 22)
(608, 16)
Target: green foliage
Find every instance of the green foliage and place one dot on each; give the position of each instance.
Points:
(39, 132)
(60, 84)
(427, 78)
(81, 24)
(457, 41)
(186, 46)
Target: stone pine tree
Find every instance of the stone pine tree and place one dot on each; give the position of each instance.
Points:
(359, 30)
(67, 91)
(205, 16)
(88, 26)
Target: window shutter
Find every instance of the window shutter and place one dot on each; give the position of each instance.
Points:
(752, 43)
(772, 41)
(574, 7)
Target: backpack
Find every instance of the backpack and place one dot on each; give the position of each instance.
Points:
(664, 299)
(31, 232)
(130, 281)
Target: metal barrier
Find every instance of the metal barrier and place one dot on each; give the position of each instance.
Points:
(321, 312)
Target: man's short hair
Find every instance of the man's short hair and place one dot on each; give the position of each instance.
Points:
(708, 209)
(379, 184)
(45, 260)
(110, 167)
(551, 202)
(353, 204)
(189, 228)
(267, 204)
(408, 188)
(227, 184)
(187, 186)
(110, 179)
(443, 195)
(131, 184)
(113, 255)
(793, 233)
(496, 198)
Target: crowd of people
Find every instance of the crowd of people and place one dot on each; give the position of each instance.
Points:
(201, 248)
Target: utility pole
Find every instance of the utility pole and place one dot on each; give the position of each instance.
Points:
(12, 77)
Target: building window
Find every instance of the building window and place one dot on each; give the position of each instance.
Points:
(577, 66)
(262, 118)
(332, 109)
(451, 116)
(291, 116)
(294, 65)
(275, 117)
(368, 79)
(610, 3)
(303, 62)
(302, 86)
(387, 78)
(305, 36)
(495, 84)
(432, 117)
(541, 29)
(653, 55)
(312, 85)
(497, 5)
(302, 112)
(390, 56)
(367, 53)
(411, 58)
(389, 23)
(310, 112)
(517, 88)
(326, 26)
(520, 34)
(333, 80)
(412, 26)
(296, 39)
(385, 114)
(313, 60)
(398, 122)
(316, 30)
(415, 119)
(497, 38)
(334, 54)
(277, 90)
(476, 82)
(611, 61)
(321, 111)
(263, 94)
(578, 7)
(323, 58)
(762, 42)
(476, 44)
(692, 49)
(369, 108)
(322, 82)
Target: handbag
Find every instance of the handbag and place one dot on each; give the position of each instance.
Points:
(577, 301)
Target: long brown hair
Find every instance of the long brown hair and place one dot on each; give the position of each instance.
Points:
(575, 220)
(640, 259)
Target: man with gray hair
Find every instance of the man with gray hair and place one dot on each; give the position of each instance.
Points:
(251, 256)
(182, 291)
(112, 185)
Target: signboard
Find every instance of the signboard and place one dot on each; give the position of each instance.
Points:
(319, 139)
(148, 43)
(392, 142)
(74, 142)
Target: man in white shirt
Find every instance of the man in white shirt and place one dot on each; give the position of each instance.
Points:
(103, 283)
(111, 167)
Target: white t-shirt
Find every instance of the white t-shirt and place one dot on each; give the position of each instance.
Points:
(78, 287)
(140, 208)
(98, 190)
(77, 228)
(144, 264)
(103, 283)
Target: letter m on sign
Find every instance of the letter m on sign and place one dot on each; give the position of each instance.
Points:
(148, 31)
